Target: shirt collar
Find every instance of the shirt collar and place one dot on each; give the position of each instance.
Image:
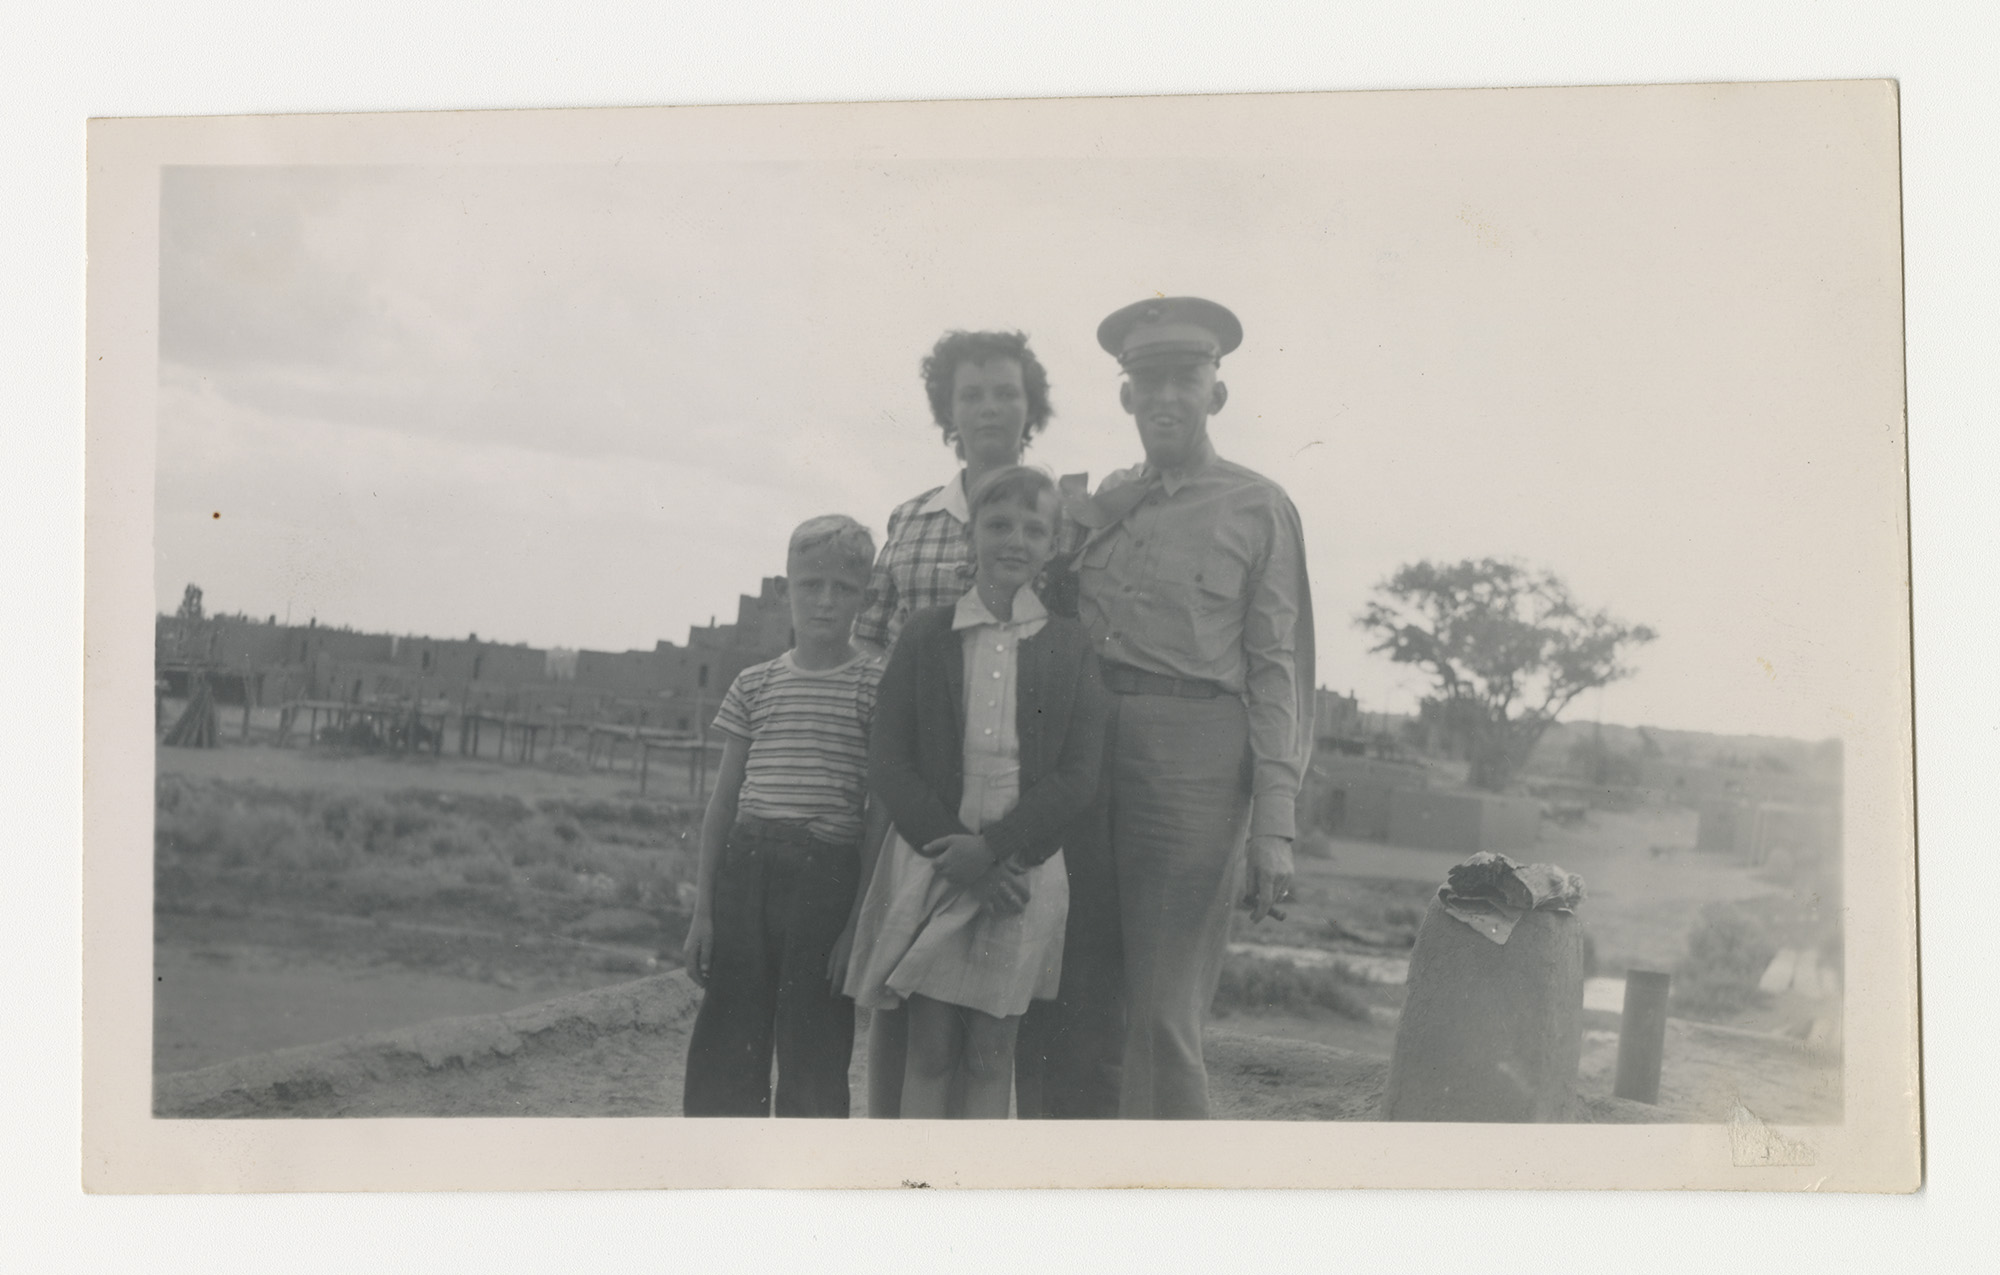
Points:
(949, 499)
(1172, 483)
(971, 611)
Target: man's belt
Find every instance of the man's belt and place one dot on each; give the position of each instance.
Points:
(1131, 681)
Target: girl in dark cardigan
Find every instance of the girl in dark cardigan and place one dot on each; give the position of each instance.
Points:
(988, 739)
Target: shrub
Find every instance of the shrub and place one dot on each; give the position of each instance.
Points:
(1251, 983)
(1727, 953)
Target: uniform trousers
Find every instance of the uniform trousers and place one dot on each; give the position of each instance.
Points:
(1179, 811)
(1069, 1051)
(782, 898)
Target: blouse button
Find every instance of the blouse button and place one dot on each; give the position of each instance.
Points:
(996, 673)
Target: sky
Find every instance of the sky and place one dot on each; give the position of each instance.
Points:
(583, 405)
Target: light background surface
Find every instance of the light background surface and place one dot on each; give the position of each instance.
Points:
(582, 405)
(1851, 554)
(95, 62)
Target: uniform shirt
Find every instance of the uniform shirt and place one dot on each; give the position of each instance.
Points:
(808, 733)
(992, 669)
(1205, 579)
(926, 561)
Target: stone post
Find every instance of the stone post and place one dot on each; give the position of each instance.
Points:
(1490, 1032)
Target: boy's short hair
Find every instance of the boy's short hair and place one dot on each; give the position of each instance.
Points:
(1024, 483)
(846, 537)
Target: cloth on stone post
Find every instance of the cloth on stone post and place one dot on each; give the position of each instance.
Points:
(1491, 893)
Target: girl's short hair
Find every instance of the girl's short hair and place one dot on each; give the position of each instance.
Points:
(1024, 483)
(846, 537)
(940, 366)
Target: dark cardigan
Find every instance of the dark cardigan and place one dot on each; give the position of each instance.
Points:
(916, 749)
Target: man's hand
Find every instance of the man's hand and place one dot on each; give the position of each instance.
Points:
(1270, 874)
(836, 963)
(1001, 891)
(699, 948)
(961, 858)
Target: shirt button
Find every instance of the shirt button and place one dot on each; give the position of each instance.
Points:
(996, 672)
(989, 730)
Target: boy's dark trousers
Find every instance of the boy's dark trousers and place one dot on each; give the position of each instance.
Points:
(782, 898)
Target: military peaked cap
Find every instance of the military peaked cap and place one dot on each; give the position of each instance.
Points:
(1169, 328)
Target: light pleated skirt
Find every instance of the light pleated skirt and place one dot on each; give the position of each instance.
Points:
(919, 935)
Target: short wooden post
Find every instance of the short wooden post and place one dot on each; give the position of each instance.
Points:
(645, 765)
(1642, 1036)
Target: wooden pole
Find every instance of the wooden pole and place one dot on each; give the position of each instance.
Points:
(1642, 1036)
(645, 765)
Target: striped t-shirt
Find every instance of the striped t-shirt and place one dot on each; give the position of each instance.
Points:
(808, 733)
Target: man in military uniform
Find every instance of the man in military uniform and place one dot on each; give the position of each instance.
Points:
(1194, 592)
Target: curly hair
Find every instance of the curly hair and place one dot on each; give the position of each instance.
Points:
(940, 366)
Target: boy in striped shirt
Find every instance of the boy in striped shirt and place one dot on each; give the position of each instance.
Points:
(788, 839)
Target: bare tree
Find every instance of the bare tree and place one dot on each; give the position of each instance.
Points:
(190, 612)
(1508, 648)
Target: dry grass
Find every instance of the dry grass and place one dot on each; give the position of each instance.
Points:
(495, 860)
(1251, 984)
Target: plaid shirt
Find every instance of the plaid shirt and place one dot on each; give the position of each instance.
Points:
(926, 561)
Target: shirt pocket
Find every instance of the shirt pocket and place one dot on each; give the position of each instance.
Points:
(1220, 582)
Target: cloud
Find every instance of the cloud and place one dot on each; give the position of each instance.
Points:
(585, 404)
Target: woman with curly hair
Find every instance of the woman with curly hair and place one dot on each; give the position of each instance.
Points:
(989, 395)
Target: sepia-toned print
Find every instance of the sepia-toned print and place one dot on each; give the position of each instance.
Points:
(1374, 624)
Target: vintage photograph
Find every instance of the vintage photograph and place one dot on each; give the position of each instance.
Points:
(1384, 609)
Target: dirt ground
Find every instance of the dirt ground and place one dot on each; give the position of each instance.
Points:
(232, 986)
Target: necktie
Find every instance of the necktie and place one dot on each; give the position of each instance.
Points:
(1109, 508)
